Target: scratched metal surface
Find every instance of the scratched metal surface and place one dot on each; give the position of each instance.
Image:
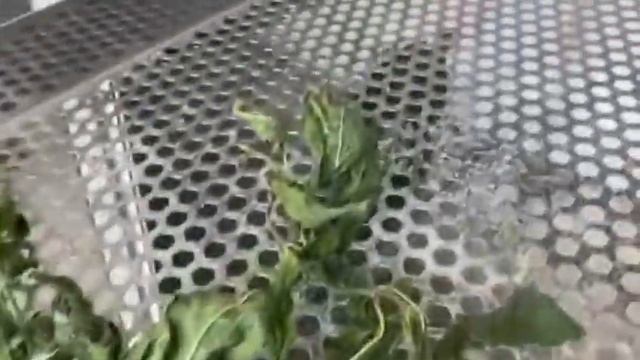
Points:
(515, 130)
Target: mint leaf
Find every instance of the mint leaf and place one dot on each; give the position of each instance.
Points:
(307, 210)
(214, 325)
(194, 326)
(344, 148)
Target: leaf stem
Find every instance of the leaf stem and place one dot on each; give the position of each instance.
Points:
(379, 331)
(340, 139)
(412, 305)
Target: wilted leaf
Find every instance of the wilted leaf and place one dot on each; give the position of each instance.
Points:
(528, 318)
(72, 331)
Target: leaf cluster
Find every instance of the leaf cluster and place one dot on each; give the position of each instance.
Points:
(329, 206)
(326, 209)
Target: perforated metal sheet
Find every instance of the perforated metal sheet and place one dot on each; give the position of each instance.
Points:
(515, 145)
(49, 51)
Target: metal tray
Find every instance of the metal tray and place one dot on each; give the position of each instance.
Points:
(516, 131)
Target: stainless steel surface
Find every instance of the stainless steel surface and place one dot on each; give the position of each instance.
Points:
(49, 51)
(14, 10)
(11, 9)
(515, 132)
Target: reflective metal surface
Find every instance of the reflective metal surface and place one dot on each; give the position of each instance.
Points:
(50, 51)
(11, 9)
(515, 151)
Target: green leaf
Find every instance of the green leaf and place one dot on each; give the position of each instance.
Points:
(265, 126)
(41, 329)
(190, 319)
(150, 345)
(97, 333)
(367, 181)
(72, 331)
(342, 126)
(344, 147)
(381, 323)
(334, 237)
(12, 225)
(337, 271)
(277, 310)
(206, 325)
(4, 336)
(528, 318)
(101, 351)
(307, 210)
(314, 131)
(362, 324)
(15, 256)
(254, 339)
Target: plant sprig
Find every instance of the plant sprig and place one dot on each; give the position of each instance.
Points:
(328, 208)
(325, 211)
